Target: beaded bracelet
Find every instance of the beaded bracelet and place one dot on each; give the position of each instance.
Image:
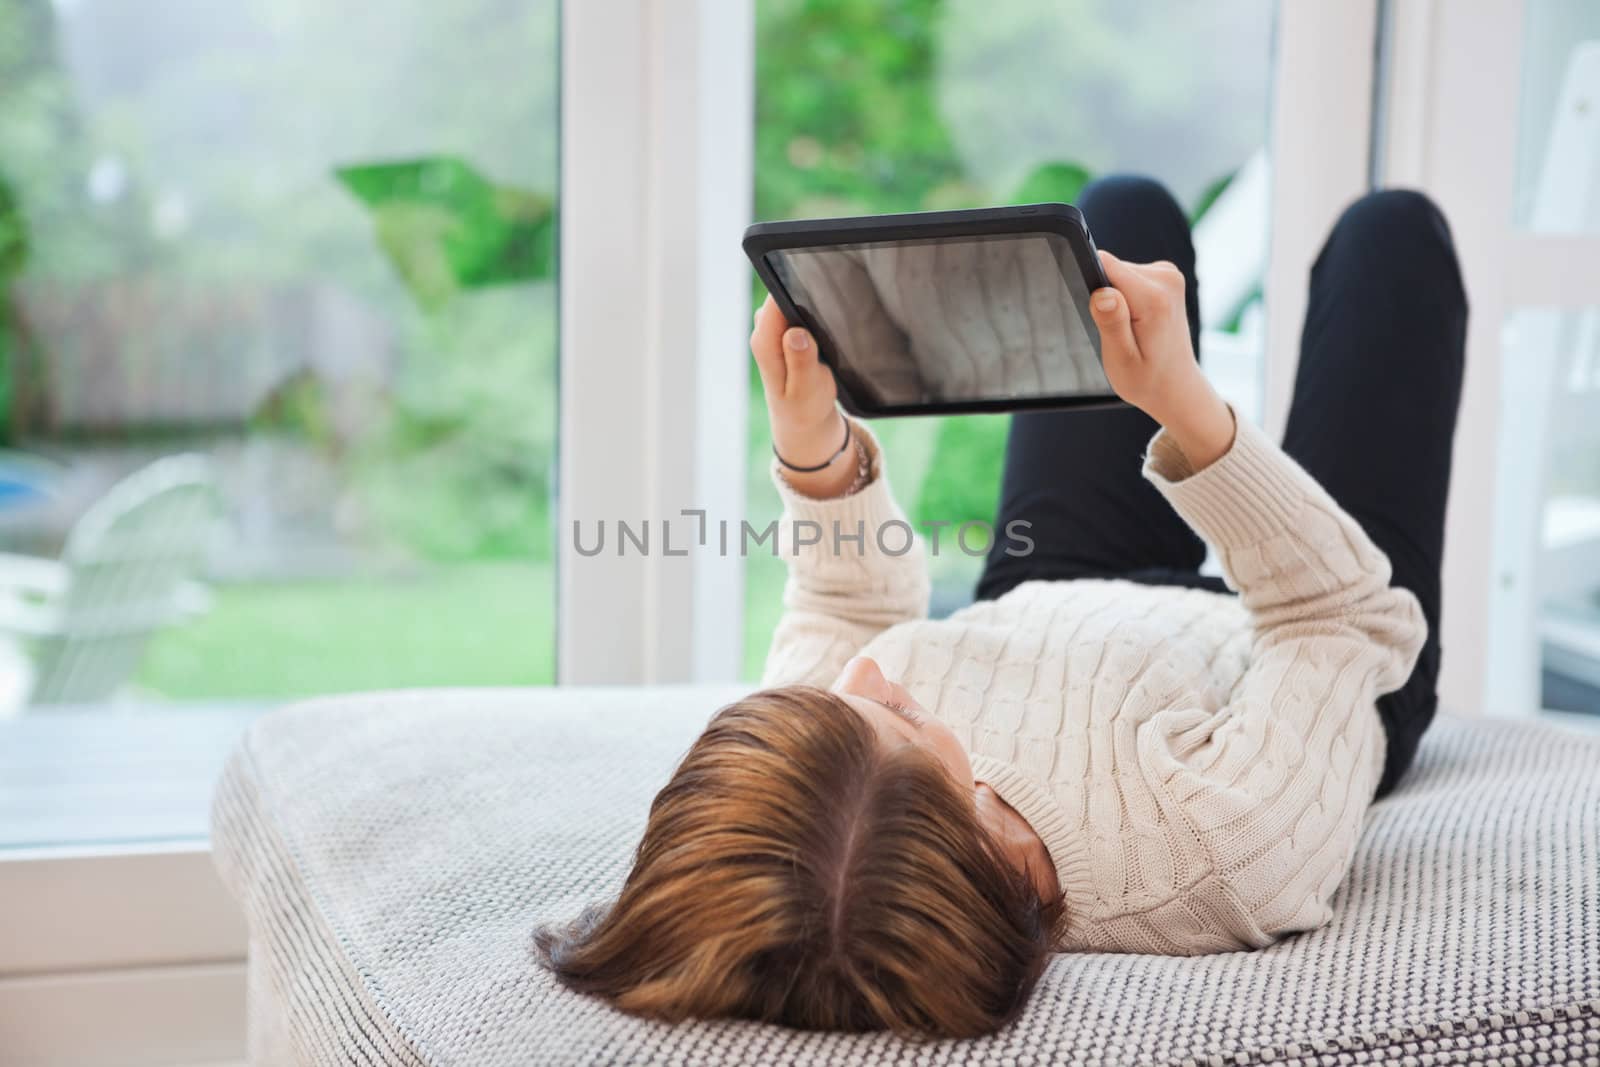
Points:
(863, 469)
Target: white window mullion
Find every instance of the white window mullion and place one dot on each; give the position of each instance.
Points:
(1320, 136)
(725, 187)
(1455, 94)
(604, 468)
(656, 151)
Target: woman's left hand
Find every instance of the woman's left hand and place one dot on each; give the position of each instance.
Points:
(807, 425)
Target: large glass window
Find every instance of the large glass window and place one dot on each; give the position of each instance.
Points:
(1548, 512)
(961, 103)
(277, 356)
(1549, 535)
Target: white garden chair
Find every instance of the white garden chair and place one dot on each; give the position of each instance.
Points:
(127, 570)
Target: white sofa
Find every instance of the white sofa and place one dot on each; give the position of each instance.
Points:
(393, 852)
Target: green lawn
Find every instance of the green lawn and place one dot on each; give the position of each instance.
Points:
(478, 623)
(459, 624)
(462, 624)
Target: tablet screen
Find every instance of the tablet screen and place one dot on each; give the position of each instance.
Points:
(994, 318)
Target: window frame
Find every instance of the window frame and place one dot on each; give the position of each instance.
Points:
(1320, 147)
(1451, 128)
(656, 190)
(135, 937)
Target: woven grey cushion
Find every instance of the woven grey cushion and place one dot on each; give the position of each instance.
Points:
(393, 852)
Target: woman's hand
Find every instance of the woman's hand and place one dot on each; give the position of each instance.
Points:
(1149, 359)
(807, 425)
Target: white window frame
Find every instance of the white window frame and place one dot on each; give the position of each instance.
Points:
(1320, 144)
(1452, 102)
(656, 187)
(123, 955)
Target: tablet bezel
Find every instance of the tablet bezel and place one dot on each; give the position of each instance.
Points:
(1062, 220)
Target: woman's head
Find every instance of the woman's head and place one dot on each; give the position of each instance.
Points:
(802, 867)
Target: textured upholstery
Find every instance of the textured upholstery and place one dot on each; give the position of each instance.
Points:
(393, 852)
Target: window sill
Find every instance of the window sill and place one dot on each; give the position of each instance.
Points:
(144, 941)
(104, 859)
(112, 775)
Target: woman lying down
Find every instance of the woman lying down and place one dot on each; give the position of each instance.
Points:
(1107, 752)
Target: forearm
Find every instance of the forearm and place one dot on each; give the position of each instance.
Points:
(1199, 421)
(855, 569)
(1300, 563)
(852, 555)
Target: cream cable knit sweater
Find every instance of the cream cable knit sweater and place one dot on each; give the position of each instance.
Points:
(1197, 764)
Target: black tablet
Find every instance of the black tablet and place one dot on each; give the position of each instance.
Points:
(944, 311)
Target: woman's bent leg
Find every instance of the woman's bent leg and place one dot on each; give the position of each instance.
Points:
(1073, 476)
(1374, 411)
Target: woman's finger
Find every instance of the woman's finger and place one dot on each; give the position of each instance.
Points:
(1110, 311)
(800, 359)
(766, 345)
(770, 313)
(1133, 279)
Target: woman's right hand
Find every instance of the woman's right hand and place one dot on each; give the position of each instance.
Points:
(1149, 358)
(807, 425)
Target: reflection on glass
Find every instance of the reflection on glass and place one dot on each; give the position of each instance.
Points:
(1558, 123)
(998, 318)
(1546, 612)
(277, 350)
(967, 103)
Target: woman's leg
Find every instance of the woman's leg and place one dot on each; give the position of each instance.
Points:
(1073, 476)
(1374, 411)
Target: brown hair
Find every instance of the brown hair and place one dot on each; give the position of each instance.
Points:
(796, 871)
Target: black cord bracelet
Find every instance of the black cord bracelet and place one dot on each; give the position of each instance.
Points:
(786, 465)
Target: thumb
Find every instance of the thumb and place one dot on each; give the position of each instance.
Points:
(800, 361)
(1110, 311)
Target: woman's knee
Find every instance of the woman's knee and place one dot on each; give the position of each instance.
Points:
(1132, 193)
(1396, 211)
(1409, 229)
(1136, 217)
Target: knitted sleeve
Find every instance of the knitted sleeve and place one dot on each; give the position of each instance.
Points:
(856, 568)
(1275, 784)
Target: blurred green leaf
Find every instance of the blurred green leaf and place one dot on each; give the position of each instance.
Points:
(1052, 183)
(1209, 195)
(445, 227)
(13, 234)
